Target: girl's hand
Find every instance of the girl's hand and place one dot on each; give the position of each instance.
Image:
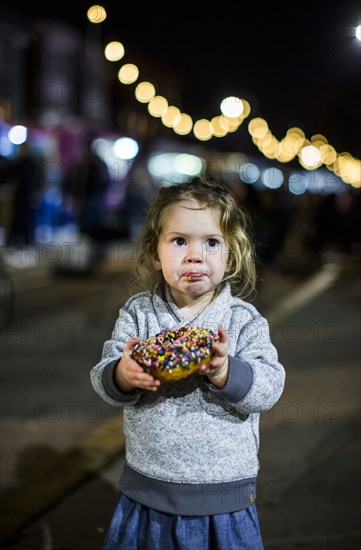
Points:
(217, 369)
(129, 375)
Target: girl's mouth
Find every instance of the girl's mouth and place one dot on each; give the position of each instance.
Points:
(196, 276)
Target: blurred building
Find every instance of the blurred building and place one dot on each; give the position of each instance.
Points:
(51, 73)
(56, 83)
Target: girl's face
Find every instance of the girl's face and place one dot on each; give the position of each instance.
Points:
(192, 252)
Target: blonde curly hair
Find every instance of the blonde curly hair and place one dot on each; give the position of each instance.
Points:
(234, 225)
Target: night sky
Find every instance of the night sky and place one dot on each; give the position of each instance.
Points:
(297, 63)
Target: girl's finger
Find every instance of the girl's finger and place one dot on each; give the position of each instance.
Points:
(221, 349)
(134, 367)
(215, 363)
(222, 335)
(151, 386)
(131, 344)
(147, 379)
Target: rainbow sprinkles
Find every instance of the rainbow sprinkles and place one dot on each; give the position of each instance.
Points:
(173, 355)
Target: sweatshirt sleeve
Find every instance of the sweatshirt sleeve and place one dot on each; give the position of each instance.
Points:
(102, 375)
(256, 379)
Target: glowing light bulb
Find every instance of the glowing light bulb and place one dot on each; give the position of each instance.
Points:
(184, 126)
(125, 148)
(158, 106)
(171, 117)
(232, 107)
(128, 73)
(18, 134)
(310, 156)
(144, 92)
(202, 129)
(114, 51)
(96, 14)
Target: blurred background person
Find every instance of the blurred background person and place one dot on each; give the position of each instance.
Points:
(5, 198)
(5, 169)
(26, 177)
(138, 192)
(87, 186)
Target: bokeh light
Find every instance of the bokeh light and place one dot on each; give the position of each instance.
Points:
(144, 92)
(125, 148)
(18, 134)
(232, 107)
(114, 51)
(202, 129)
(158, 106)
(184, 126)
(96, 14)
(219, 126)
(249, 172)
(297, 183)
(171, 117)
(190, 165)
(128, 73)
(310, 156)
(272, 178)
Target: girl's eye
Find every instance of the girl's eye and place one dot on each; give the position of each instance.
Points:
(179, 241)
(212, 243)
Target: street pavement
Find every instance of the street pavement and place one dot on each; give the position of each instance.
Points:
(63, 457)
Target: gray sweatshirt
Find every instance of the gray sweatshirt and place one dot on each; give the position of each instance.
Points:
(191, 449)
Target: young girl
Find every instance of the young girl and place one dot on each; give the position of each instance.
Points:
(191, 446)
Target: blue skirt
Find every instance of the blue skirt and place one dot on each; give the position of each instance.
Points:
(137, 527)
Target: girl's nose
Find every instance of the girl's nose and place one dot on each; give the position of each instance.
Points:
(194, 254)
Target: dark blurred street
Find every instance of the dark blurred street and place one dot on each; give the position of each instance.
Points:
(62, 447)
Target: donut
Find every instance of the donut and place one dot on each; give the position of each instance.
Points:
(175, 354)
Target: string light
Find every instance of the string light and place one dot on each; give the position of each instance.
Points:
(202, 129)
(310, 157)
(184, 126)
(144, 92)
(220, 126)
(158, 106)
(232, 107)
(311, 153)
(171, 117)
(96, 14)
(128, 73)
(114, 51)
